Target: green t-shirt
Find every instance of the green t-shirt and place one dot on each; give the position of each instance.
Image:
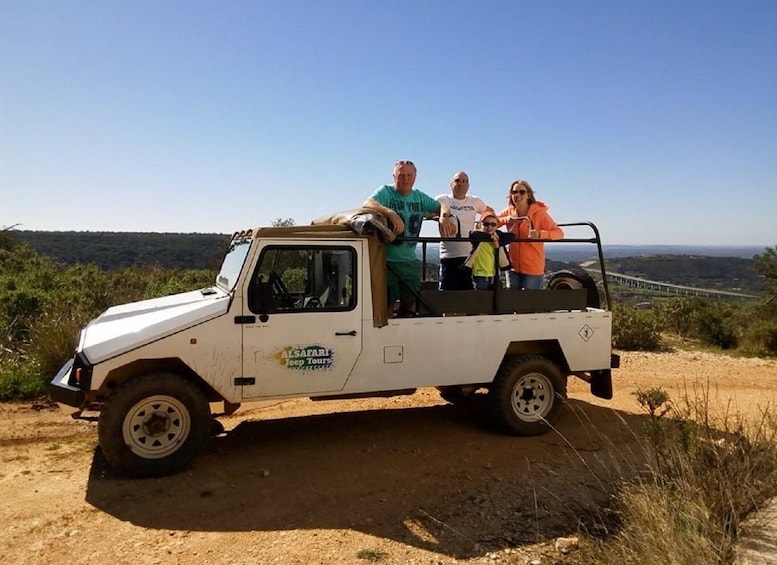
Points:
(411, 209)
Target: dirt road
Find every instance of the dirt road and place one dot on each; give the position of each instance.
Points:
(402, 480)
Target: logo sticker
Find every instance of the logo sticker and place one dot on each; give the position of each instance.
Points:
(306, 358)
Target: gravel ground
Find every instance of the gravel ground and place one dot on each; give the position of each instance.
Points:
(399, 480)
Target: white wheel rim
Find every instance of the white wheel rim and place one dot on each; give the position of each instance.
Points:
(156, 426)
(532, 397)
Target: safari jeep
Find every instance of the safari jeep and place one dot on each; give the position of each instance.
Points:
(301, 312)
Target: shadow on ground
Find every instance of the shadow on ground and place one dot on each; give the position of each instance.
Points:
(437, 478)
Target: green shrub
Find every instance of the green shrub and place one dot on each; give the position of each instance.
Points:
(44, 305)
(20, 378)
(716, 326)
(760, 339)
(757, 329)
(162, 282)
(634, 329)
(679, 316)
(750, 326)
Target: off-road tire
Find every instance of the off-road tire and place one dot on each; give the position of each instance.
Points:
(154, 425)
(527, 395)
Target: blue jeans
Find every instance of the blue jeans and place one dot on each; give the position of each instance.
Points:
(527, 282)
(483, 283)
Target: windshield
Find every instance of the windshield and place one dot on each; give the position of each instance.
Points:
(233, 260)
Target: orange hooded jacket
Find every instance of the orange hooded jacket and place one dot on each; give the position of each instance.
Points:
(529, 258)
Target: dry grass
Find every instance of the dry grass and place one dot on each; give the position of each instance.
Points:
(705, 475)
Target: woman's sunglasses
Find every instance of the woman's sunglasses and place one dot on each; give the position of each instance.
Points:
(490, 224)
(522, 191)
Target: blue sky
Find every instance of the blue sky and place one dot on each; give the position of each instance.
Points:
(655, 120)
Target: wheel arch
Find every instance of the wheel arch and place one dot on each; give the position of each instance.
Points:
(175, 365)
(548, 348)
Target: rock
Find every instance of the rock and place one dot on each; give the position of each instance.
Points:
(567, 545)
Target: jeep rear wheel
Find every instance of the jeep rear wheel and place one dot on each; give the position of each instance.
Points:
(527, 395)
(154, 425)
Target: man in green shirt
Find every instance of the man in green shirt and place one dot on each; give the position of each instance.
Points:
(406, 209)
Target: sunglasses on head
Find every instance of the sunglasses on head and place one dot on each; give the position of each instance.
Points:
(522, 191)
(400, 163)
(490, 224)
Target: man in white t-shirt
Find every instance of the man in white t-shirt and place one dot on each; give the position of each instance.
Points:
(464, 209)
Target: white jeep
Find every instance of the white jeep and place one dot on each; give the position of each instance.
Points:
(301, 312)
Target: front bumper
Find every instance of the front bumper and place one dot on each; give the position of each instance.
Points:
(61, 390)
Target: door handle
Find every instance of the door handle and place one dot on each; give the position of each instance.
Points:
(352, 332)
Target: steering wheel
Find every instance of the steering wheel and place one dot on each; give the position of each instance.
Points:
(280, 290)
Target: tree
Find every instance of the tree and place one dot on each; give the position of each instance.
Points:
(283, 222)
(765, 265)
(7, 241)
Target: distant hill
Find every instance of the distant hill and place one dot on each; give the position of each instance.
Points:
(715, 273)
(577, 253)
(114, 250)
(715, 268)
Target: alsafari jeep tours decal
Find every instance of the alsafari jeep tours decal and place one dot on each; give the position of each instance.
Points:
(306, 357)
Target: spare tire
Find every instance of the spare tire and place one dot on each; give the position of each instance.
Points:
(564, 280)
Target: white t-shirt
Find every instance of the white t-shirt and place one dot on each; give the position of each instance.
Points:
(466, 211)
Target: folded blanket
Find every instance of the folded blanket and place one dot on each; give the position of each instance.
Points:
(362, 221)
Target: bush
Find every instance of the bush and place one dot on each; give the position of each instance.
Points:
(716, 326)
(661, 526)
(44, 305)
(760, 339)
(750, 327)
(758, 329)
(162, 282)
(634, 329)
(20, 378)
(679, 316)
(708, 475)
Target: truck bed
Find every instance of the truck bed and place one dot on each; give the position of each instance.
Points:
(500, 301)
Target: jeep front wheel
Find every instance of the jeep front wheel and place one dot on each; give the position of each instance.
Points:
(527, 395)
(154, 425)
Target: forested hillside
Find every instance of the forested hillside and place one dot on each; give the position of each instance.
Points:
(715, 273)
(116, 250)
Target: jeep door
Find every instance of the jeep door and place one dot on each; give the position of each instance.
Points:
(302, 329)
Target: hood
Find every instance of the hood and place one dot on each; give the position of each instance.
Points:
(128, 326)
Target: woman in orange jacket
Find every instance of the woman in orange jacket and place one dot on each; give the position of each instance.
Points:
(527, 218)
